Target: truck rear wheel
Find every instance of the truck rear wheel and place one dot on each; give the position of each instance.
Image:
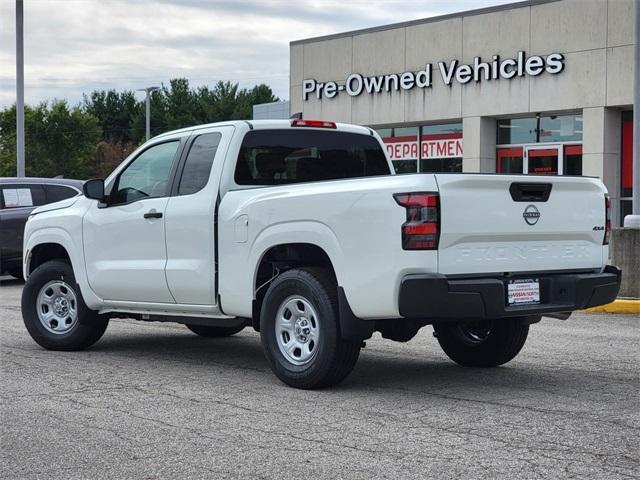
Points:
(486, 343)
(54, 311)
(215, 332)
(300, 330)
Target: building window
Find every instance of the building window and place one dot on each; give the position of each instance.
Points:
(430, 148)
(626, 165)
(517, 130)
(402, 146)
(510, 160)
(560, 128)
(572, 160)
(547, 129)
(441, 148)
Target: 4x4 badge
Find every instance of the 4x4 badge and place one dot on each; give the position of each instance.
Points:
(531, 215)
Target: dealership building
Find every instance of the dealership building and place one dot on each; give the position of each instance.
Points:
(541, 87)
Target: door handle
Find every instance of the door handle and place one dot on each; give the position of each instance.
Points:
(153, 214)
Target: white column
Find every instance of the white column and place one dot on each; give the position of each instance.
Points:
(479, 144)
(601, 134)
(633, 220)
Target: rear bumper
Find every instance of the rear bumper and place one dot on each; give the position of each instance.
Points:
(434, 296)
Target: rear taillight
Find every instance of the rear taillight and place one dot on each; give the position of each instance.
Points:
(313, 123)
(607, 220)
(421, 231)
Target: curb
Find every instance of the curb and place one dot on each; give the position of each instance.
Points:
(617, 306)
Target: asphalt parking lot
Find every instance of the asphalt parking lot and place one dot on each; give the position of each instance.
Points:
(154, 401)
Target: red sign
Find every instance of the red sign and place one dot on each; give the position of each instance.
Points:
(627, 153)
(447, 148)
(402, 150)
(406, 147)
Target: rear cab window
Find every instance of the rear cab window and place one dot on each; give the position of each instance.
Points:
(277, 157)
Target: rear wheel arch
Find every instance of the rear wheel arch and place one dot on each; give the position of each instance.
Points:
(282, 257)
(300, 330)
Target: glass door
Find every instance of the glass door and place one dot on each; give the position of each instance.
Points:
(510, 160)
(543, 160)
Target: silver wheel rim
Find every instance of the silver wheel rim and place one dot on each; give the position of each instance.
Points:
(57, 307)
(297, 330)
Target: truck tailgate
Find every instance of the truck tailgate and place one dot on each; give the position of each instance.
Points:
(504, 223)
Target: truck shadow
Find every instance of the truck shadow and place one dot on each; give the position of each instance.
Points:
(375, 371)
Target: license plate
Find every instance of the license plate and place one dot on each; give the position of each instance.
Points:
(523, 292)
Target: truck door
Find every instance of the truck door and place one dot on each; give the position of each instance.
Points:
(124, 240)
(190, 218)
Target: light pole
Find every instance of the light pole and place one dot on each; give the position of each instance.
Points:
(20, 170)
(148, 105)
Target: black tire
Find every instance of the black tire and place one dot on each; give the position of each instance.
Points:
(333, 358)
(215, 332)
(482, 344)
(87, 329)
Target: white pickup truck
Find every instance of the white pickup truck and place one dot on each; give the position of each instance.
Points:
(301, 230)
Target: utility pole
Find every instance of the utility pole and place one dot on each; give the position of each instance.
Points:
(20, 89)
(148, 90)
(633, 220)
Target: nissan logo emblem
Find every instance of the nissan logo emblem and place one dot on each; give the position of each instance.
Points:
(531, 215)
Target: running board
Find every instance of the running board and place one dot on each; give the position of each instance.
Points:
(203, 321)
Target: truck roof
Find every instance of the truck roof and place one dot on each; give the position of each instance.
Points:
(266, 125)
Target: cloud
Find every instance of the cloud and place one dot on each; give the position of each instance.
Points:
(75, 46)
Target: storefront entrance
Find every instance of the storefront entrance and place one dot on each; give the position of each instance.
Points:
(540, 159)
(545, 160)
(541, 145)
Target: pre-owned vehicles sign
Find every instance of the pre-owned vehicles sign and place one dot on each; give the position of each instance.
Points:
(450, 72)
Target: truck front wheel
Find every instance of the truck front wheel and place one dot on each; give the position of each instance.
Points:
(300, 330)
(486, 343)
(54, 311)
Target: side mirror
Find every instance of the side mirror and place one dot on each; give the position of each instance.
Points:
(94, 189)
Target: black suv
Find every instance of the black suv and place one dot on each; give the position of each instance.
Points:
(18, 197)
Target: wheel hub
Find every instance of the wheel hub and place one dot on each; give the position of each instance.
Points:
(297, 330)
(302, 330)
(60, 306)
(56, 305)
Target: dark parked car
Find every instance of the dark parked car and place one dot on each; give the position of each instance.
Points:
(18, 197)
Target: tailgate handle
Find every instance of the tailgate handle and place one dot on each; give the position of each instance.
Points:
(530, 192)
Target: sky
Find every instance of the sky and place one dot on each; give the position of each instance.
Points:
(76, 46)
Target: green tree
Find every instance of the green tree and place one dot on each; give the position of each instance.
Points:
(92, 138)
(180, 104)
(58, 141)
(114, 111)
(177, 105)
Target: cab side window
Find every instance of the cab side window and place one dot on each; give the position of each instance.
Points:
(147, 176)
(197, 167)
